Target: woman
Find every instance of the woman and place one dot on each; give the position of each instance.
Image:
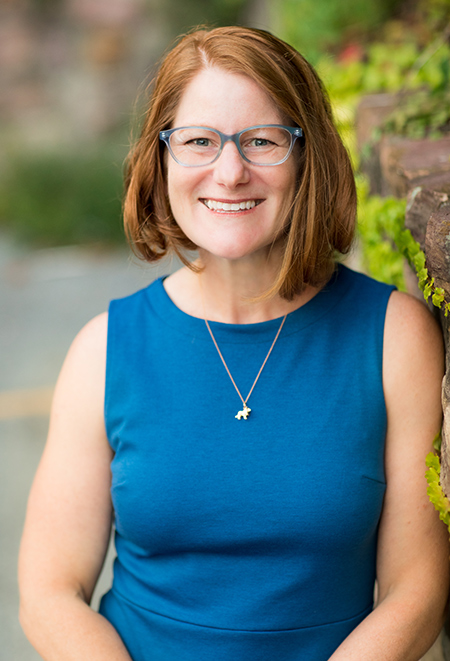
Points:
(266, 413)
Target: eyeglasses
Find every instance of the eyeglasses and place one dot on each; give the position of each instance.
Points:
(194, 146)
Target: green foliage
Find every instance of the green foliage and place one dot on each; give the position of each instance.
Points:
(437, 441)
(383, 69)
(385, 243)
(434, 489)
(381, 221)
(422, 114)
(314, 26)
(393, 67)
(61, 198)
(436, 13)
(182, 15)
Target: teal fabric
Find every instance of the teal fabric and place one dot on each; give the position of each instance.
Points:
(245, 539)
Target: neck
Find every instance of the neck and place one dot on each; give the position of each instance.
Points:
(223, 290)
(229, 287)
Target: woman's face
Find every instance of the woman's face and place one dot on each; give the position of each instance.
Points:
(229, 102)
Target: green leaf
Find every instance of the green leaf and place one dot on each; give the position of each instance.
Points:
(423, 277)
(419, 261)
(434, 490)
(437, 442)
(432, 461)
(428, 289)
(438, 297)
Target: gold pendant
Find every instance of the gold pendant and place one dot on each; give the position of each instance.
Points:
(244, 413)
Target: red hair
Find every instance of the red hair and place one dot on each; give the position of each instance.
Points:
(322, 214)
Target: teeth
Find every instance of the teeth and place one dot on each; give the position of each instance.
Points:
(228, 206)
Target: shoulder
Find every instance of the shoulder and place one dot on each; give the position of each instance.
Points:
(83, 371)
(91, 339)
(410, 326)
(410, 308)
(405, 314)
(127, 312)
(413, 356)
(76, 419)
(363, 283)
(95, 329)
(365, 294)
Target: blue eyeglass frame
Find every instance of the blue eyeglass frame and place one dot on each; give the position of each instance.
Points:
(295, 132)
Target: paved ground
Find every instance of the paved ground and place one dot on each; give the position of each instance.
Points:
(45, 298)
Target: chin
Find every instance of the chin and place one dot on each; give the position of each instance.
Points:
(233, 252)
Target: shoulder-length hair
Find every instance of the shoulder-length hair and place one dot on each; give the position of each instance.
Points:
(322, 214)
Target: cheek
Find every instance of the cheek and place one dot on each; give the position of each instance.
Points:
(288, 184)
(179, 196)
(174, 189)
(176, 181)
(183, 185)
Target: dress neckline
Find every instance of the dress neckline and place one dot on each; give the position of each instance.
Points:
(308, 313)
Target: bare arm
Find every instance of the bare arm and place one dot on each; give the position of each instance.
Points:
(69, 514)
(413, 551)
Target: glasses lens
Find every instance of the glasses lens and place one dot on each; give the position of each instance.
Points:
(194, 146)
(266, 145)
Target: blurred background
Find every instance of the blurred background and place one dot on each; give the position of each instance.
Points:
(70, 71)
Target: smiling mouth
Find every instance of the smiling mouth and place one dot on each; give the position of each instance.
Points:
(230, 207)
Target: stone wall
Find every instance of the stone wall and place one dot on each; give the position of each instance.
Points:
(420, 171)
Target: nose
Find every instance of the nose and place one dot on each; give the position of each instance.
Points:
(230, 169)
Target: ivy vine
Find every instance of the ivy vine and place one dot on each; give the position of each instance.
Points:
(434, 490)
(385, 242)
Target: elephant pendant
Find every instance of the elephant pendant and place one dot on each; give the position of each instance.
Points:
(244, 413)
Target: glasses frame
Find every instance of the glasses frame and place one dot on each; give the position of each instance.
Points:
(294, 131)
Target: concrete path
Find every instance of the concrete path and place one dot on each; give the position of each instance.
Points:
(45, 298)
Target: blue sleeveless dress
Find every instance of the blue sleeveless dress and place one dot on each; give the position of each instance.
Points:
(252, 539)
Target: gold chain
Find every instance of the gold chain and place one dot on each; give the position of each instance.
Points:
(246, 410)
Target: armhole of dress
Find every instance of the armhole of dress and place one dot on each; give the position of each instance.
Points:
(382, 311)
(383, 306)
(109, 374)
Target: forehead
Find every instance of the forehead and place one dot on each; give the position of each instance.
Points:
(228, 101)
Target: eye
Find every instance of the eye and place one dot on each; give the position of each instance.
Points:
(195, 139)
(199, 142)
(259, 142)
(265, 138)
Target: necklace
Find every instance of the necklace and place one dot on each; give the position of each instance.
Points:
(246, 410)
